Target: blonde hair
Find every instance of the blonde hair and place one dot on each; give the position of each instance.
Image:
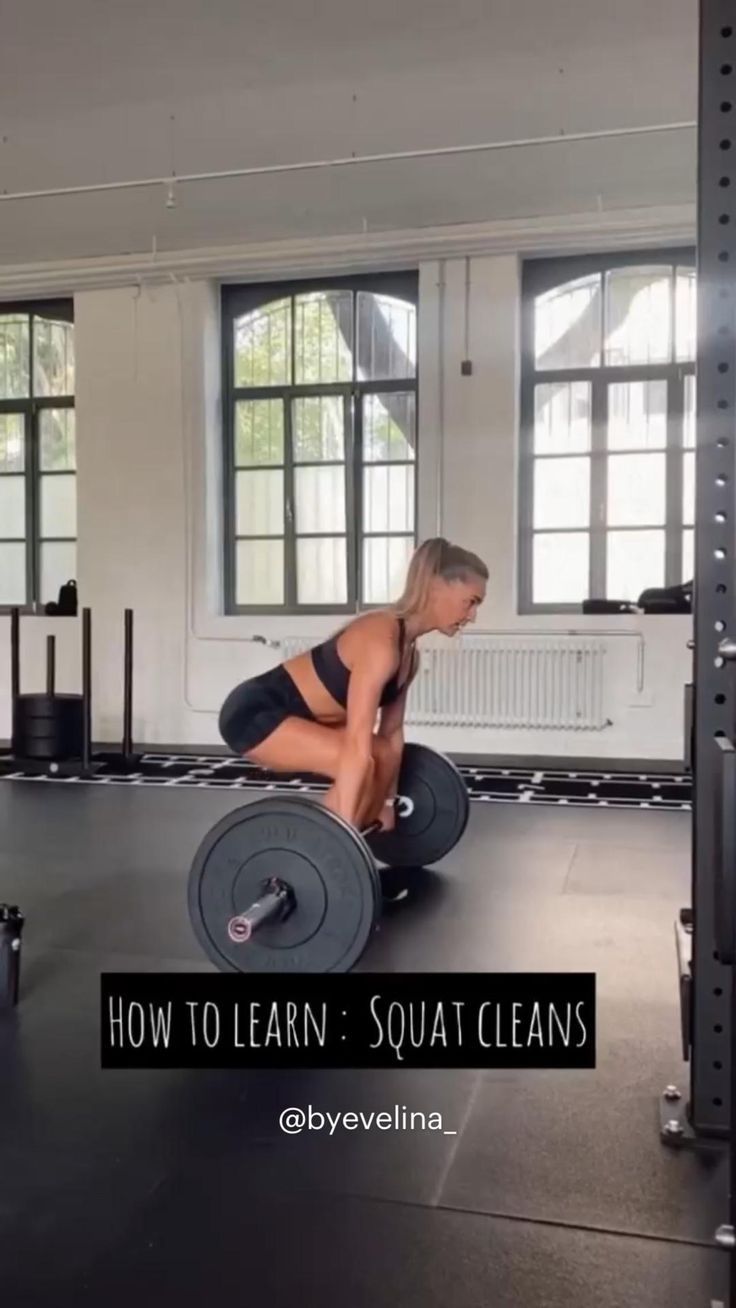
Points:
(436, 557)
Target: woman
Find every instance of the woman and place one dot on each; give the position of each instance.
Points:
(317, 712)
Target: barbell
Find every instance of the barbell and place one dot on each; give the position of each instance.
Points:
(285, 885)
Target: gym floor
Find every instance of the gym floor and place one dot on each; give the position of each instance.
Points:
(156, 1187)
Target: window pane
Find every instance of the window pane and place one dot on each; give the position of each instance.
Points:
(562, 418)
(567, 325)
(259, 432)
(263, 346)
(12, 574)
(688, 488)
(688, 424)
(389, 428)
(319, 429)
(59, 505)
(324, 337)
(637, 415)
(387, 337)
(638, 327)
(636, 489)
(635, 562)
(53, 348)
(688, 555)
(561, 493)
(12, 443)
(388, 498)
(561, 566)
(259, 503)
(320, 499)
(385, 561)
(12, 508)
(58, 565)
(15, 376)
(321, 571)
(259, 572)
(58, 447)
(686, 326)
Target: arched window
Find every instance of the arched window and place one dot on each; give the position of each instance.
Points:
(320, 427)
(608, 428)
(38, 485)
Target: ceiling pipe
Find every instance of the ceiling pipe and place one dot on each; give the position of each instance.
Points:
(352, 161)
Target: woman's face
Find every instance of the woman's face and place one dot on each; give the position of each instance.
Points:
(457, 603)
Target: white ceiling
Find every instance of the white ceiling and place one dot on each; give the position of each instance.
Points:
(98, 91)
(100, 52)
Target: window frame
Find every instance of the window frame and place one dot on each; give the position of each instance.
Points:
(31, 407)
(539, 276)
(237, 300)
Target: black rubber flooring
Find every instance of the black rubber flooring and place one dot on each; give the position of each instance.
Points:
(156, 1187)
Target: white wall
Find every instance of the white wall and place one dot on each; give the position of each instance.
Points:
(148, 423)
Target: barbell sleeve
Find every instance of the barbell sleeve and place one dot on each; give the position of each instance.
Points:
(266, 909)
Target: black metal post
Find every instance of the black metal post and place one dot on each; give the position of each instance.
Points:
(15, 653)
(86, 688)
(50, 665)
(14, 673)
(128, 687)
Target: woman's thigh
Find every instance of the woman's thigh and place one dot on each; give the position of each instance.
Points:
(298, 745)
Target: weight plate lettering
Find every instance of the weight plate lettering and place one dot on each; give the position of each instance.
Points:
(325, 862)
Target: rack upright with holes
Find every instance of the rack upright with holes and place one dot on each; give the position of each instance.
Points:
(707, 932)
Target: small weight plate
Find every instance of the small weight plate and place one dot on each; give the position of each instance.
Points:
(432, 814)
(47, 706)
(325, 862)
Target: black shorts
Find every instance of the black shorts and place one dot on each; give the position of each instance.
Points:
(256, 707)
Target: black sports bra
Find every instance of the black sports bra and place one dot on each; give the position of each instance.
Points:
(335, 677)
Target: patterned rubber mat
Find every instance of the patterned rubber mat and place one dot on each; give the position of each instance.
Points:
(485, 784)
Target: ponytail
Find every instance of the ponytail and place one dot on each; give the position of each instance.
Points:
(436, 557)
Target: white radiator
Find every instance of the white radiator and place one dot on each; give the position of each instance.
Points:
(515, 682)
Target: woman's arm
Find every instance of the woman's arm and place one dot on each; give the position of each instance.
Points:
(391, 728)
(373, 666)
(392, 716)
